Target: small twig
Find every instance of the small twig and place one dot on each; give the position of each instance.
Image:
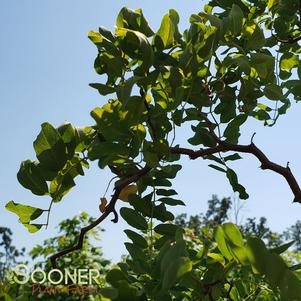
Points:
(252, 138)
(108, 186)
(48, 214)
(110, 208)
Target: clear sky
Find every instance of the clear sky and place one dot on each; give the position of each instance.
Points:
(46, 65)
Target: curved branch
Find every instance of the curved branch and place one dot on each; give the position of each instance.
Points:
(250, 149)
(110, 208)
(290, 40)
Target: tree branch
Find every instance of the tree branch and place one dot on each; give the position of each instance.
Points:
(290, 40)
(222, 146)
(110, 208)
(250, 149)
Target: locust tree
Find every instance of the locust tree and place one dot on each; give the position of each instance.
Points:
(236, 61)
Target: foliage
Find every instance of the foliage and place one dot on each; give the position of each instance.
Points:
(215, 76)
(9, 257)
(225, 209)
(90, 257)
(9, 254)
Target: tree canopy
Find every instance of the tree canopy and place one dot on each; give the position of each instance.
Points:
(237, 60)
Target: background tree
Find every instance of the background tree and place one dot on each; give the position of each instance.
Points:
(90, 257)
(9, 254)
(214, 76)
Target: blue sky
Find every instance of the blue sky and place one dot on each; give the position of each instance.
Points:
(46, 65)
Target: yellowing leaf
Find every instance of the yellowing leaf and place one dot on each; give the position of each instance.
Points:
(126, 191)
(103, 204)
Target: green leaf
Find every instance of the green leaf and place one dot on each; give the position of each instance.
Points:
(290, 288)
(233, 157)
(239, 253)
(114, 276)
(151, 159)
(104, 32)
(30, 177)
(216, 167)
(127, 291)
(160, 213)
(60, 186)
(282, 248)
(274, 269)
(133, 19)
(33, 228)
(233, 234)
(171, 201)
(214, 274)
(294, 87)
(64, 181)
(220, 238)
(109, 292)
(166, 229)
(136, 238)
(272, 3)
(25, 213)
(168, 32)
(135, 252)
(232, 177)
(84, 137)
(232, 132)
(104, 41)
(5, 297)
(136, 45)
(50, 148)
(143, 205)
(166, 192)
(169, 171)
(108, 149)
(255, 38)
(202, 136)
(179, 267)
(124, 91)
(257, 254)
(264, 64)
(273, 92)
(69, 136)
(170, 253)
(288, 61)
(102, 89)
(295, 267)
(133, 218)
(236, 19)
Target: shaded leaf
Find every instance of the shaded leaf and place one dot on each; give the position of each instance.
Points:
(102, 89)
(137, 239)
(133, 218)
(30, 177)
(50, 148)
(166, 229)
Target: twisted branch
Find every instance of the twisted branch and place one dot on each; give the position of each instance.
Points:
(110, 208)
(222, 146)
(250, 149)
